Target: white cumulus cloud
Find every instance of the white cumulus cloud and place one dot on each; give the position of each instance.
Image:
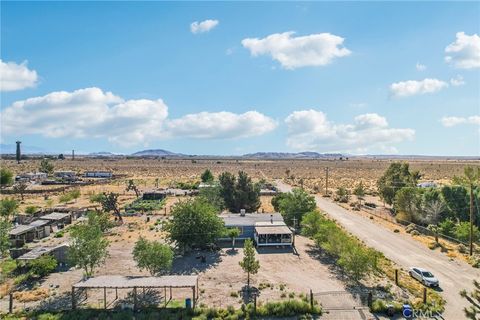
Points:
(311, 130)
(15, 76)
(464, 53)
(221, 125)
(415, 87)
(296, 52)
(454, 121)
(94, 113)
(203, 26)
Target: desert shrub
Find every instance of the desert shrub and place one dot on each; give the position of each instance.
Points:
(145, 205)
(43, 265)
(59, 234)
(447, 227)
(379, 306)
(462, 248)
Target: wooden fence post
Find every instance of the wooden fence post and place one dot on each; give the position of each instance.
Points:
(311, 299)
(396, 277)
(424, 295)
(73, 298)
(10, 303)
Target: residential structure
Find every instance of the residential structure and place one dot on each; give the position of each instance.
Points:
(267, 229)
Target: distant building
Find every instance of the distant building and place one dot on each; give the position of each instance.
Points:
(154, 195)
(427, 184)
(98, 174)
(264, 229)
(65, 174)
(31, 176)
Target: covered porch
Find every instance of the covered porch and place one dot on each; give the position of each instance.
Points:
(279, 235)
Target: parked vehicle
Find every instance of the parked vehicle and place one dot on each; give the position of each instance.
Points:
(424, 276)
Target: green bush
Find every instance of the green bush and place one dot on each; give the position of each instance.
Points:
(43, 265)
(462, 232)
(145, 205)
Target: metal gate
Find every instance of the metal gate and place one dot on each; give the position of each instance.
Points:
(343, 305)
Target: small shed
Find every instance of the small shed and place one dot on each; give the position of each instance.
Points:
(42, 228)
(21, 234)
(98, 174)
(59, 252)
(58, 219)
(154, 195)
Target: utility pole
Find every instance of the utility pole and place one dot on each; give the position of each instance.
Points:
(471, 219)
(326, 181)
(19, 154)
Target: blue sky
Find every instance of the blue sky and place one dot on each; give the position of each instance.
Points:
(363, 77)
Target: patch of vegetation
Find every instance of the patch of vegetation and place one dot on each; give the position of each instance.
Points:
(145, 205)
(288, 308)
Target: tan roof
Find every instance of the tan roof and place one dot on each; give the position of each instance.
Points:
(20, 229)
(273, 230)
(177, 281)
(55, 216)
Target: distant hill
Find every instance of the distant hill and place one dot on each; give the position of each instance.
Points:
(155, 153)
(292, 155)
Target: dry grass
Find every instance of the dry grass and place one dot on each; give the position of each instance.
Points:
(31, 295)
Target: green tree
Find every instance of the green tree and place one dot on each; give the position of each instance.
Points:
(8, 208)
(408, 204)
(311, 223)
(5, 227)
(131, 186)
(277, 199)
(359, 191)
(356, 260)
(194, 223)
(396, 177)
(249, 264)
(88, 247)
(213, 195)
(233, 233)
(153, 256)
(207, 176)
(471, 180)
(239, 193)
(295, 204)
(462, 232)
(110, 204)
(447, 227)
(247, 194)
(6, 177)
(473, 298)
(46, 166)
(100, 219)
(457, 201)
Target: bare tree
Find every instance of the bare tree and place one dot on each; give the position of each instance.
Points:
(20, 188)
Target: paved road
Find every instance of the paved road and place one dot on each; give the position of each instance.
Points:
(401, 248)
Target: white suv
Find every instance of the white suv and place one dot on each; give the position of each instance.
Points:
(424, 276)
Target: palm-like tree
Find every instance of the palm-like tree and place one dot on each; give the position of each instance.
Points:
(434, 210)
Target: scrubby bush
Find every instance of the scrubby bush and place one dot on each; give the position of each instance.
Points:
(43, 265)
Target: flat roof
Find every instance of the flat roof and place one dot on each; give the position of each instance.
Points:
(175, 281)
(250, 219)
(273, 230)
(38, 252)
(20, 229)
(55, 216)
(39, 223)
